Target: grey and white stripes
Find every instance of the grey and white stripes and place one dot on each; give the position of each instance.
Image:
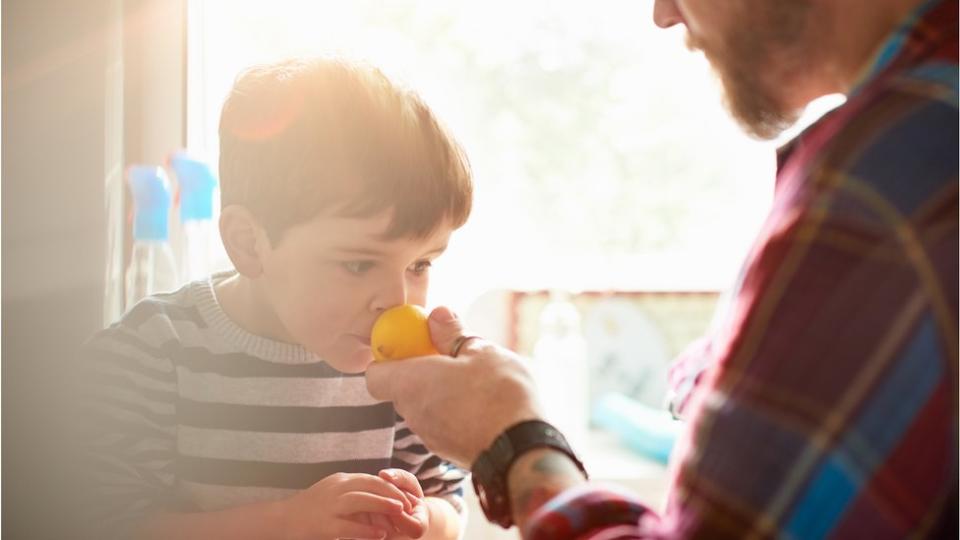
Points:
(184, 410)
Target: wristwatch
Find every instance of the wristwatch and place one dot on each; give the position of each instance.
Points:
(491, 467)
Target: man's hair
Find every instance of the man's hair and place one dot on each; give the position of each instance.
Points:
(309, 137)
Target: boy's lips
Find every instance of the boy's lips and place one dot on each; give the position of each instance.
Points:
(362, 339)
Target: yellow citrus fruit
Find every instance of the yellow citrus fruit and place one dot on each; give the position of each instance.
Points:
(401, 332)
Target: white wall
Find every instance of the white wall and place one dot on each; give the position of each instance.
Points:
(73, 86)
(54, 166)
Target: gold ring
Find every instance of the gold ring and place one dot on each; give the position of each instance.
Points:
(458, 344)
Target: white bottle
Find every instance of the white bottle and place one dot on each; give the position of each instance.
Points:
(560, 368)
(152, 268)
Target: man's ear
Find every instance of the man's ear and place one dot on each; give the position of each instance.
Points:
(243, 239)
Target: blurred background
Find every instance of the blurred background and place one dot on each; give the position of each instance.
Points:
(614, 196)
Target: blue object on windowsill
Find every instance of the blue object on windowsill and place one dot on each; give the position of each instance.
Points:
(197, 183)
(150, 190)
(647, 431)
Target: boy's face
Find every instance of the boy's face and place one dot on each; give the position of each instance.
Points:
(328, 279)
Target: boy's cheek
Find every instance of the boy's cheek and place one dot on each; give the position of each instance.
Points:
(417, 294)
(309, 329)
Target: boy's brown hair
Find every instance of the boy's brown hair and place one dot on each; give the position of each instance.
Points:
(304, 137)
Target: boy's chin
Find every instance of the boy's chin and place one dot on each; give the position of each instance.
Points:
(355, 361)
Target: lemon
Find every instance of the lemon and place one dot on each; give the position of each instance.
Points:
(401, 332)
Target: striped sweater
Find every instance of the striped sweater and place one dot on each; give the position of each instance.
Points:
(186, 411)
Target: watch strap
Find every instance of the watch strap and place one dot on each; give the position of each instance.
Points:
(492, 466)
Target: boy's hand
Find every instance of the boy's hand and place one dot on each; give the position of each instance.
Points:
(414, 523)
(338, 506)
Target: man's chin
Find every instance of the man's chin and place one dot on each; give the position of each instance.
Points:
(748, 100)
(693, 45)
(757, 112)
(763, 124)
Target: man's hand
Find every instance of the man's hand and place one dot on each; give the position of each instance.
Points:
(459, 405)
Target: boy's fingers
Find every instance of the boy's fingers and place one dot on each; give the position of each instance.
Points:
(359, 501)
(411, 525)
(403, 480)
(414, 499)
(359, 531)
(445, 328)
(383, 522)
(378, 486)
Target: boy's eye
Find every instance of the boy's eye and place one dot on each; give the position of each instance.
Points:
(357, 267)
(420, 267)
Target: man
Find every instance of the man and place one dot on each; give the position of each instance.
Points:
(830, 405)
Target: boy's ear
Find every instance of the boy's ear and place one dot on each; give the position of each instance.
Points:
(243, 239)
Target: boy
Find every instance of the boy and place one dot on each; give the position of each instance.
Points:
(236, 407)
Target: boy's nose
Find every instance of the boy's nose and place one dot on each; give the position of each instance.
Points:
(392, 294)
(666, 14)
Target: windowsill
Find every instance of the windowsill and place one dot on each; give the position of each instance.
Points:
(606, 458)
(610, 462)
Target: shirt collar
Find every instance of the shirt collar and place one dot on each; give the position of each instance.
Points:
(894, 47)
(892, 51)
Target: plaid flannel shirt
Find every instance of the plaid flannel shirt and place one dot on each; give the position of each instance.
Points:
(827, 403)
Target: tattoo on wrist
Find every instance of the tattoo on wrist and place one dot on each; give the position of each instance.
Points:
(533, 483)
(552, 464)
(530, 500)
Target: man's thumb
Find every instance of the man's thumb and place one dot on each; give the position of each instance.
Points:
(445, 328)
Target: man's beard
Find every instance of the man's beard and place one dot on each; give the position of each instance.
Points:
(753, 104)
(764, 52)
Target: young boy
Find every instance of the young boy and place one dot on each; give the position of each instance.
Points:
(236, 407)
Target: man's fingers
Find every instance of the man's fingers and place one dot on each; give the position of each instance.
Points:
(381, 380)
(397, 381)
(445, 328)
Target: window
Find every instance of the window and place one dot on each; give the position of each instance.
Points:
(602, 156)
(603, 160)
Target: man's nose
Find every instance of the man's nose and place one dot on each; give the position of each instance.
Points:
(666, 14)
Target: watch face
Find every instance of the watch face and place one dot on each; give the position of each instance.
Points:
(493, 504)
(481, 494)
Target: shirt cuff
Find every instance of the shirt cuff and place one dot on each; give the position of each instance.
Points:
(584, 510)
